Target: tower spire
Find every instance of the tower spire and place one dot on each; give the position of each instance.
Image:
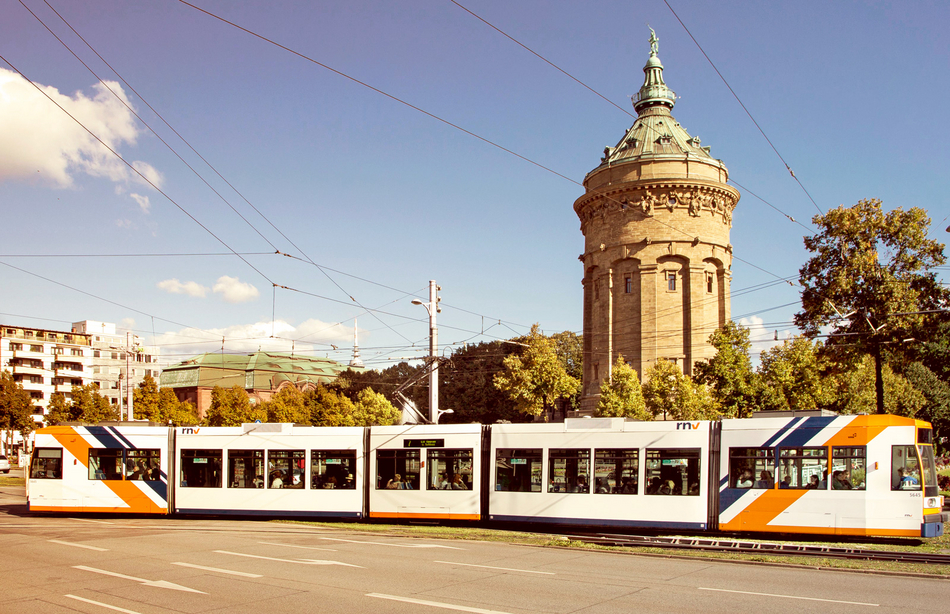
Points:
(653, 92)
(355, 361)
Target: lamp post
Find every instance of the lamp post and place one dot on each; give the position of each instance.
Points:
(432, 307)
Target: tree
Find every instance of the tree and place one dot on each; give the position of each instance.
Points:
(372, 408)
(622, 395)
(161, 405)
(794, 375)
(936, 409)
(287, 406)
(858, 392)
(874, 264)
(328, 407)
(729, 372)
(466, 384)
(669, 392)
(537, 378)
(16, 409)
(232, 407)
(85, 405)
(351, 382)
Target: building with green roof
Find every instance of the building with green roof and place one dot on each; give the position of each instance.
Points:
(261, 374)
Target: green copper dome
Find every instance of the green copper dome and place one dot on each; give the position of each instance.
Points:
(653, 92)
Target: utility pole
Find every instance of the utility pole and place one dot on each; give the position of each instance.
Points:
(128, 376)
(433, 308)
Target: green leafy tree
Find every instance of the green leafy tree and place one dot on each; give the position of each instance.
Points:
(232, 407)
(351, 382)
(859, 393)
(875, 264)
(466, 384)
(622, 395)
(936, 409)
(372, 408)
(794, 375)
(537, 378)
(87, 405)
(16, 409)
(287, 405)
(673, 395)
(59, 410)
(328, 407)
(160, 405)
(729, 373)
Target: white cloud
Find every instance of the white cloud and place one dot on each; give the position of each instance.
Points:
(312, 336)
(191, 288)
(143, 202)
(41, 142)
(234, 290)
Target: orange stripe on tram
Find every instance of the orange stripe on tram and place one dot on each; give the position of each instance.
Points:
(860, 431)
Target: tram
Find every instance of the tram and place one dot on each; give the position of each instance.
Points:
(870, 475)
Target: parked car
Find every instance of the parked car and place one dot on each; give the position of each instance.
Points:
(4, 464)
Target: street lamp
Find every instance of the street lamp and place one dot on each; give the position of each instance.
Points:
(432, 307)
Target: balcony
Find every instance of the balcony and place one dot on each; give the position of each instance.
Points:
(29, 354)
(28, 370)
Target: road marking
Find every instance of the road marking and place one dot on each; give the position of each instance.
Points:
(155, 583)
(298, 561)
(219, 570)
(103, 605)
(722, 590)
(355, 541)
(435, 604)
(87, 520)
(301, 547)
(56, 541)
(546, 573)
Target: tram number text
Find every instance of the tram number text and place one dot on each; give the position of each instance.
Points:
(916, 494)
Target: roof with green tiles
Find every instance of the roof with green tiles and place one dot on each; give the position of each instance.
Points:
(259, 371)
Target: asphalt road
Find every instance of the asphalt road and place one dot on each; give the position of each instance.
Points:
(151, 565)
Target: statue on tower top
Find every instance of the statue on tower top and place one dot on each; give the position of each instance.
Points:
(654, 42)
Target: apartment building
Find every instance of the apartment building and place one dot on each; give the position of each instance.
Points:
(117, 358)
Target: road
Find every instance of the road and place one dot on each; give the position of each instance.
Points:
(152, 565)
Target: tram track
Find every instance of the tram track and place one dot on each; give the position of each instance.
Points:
(753, 547)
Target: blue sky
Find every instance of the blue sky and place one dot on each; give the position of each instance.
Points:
(852, 94)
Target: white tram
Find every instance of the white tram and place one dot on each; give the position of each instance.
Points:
(847, 475)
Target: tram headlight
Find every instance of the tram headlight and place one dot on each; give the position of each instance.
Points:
(933, 502)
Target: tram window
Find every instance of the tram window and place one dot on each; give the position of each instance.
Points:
(518, 470)
(849, 468)
(450, 470)
(246, 469)
(286, 468)
(333, 469)
(143, 465)
(47, 464)
(105, 464)
(569, 470)
(673, 471)
(616, 471)
(398, 469)
(201, 468)
(925, 436)
(929, 466)
(752, 468)
(905, 468)
(803, 468)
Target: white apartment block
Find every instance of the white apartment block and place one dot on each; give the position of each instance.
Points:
(48, 361)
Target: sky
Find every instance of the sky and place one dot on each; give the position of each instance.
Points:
(300, 145)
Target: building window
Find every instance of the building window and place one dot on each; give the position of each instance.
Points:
(628, 284)
(75, 352)
(35, 348)
(95, 354)
(115, 356)
(710, 279)
(14, 347)
(671, 281)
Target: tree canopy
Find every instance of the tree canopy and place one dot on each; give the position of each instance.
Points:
(622, 395)
(729, 372)
(16, 408)
(232, 407)
(676, 396)
(84, 405)
(537, 378)
(156, 404)
(795, 375)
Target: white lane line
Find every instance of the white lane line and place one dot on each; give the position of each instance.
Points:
(97, 549)
(435, 604)
(722, 590)
(219, 570)
(154, 583)
(87, 520)
(102, 605)
(301, 547)
(355, 541)
(546, 573)
(298, 561)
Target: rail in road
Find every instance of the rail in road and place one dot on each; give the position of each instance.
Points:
(749, 547)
